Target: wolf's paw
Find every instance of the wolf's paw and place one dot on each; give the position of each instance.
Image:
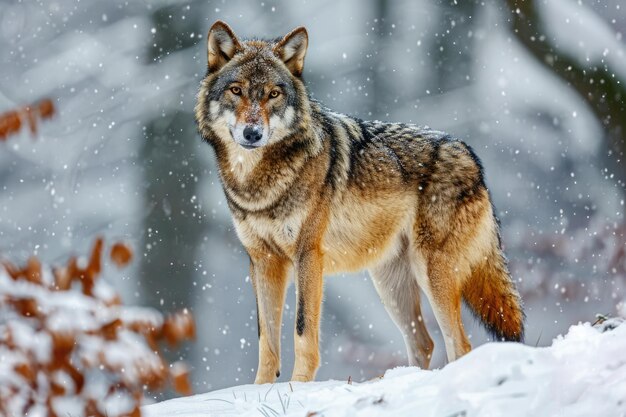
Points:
(266, 377)
(301, 378)
(261, 380)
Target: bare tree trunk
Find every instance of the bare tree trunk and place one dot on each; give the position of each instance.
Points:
(171, 230)
(452, 51)
(380, 101)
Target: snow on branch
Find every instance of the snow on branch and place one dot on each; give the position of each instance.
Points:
(69, 347)
(595, 82)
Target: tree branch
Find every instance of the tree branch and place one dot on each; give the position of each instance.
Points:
(595, 83)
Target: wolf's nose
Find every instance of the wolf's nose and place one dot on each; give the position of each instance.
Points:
(252, 134)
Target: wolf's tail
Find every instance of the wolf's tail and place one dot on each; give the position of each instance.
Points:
(491, 295)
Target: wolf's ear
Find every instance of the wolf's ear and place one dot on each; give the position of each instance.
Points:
(222, 44)
(292, 49)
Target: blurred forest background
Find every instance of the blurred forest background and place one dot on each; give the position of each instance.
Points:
(537, 87)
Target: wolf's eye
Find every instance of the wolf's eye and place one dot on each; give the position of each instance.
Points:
(274, 94)
(235, 90)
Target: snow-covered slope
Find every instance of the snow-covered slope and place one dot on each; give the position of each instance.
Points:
(581, 374)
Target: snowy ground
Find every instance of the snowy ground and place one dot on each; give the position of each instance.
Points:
(581, 374)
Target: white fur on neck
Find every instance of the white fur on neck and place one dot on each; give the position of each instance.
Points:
(242, 161)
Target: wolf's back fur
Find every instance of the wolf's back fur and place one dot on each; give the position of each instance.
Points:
(330, 193)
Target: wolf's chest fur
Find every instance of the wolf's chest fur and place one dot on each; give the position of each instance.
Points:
(359, 233)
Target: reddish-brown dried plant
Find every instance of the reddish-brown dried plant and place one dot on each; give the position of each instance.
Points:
(13, 121)
(70, 348)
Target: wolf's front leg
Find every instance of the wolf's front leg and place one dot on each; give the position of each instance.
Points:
(309, 287)
(269, 277)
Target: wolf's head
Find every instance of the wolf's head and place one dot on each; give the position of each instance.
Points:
(253, 93)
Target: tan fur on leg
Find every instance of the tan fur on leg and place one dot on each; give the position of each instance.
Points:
(309, 294)
(444, 296)
(269, 276)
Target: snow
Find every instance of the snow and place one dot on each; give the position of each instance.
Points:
(580, 374)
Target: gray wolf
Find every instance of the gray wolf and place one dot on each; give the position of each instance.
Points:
(315, 192)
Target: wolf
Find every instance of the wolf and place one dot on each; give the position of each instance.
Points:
(315, 192)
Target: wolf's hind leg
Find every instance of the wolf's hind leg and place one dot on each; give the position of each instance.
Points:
(269, 276)
(443, 289)
(399, 292)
